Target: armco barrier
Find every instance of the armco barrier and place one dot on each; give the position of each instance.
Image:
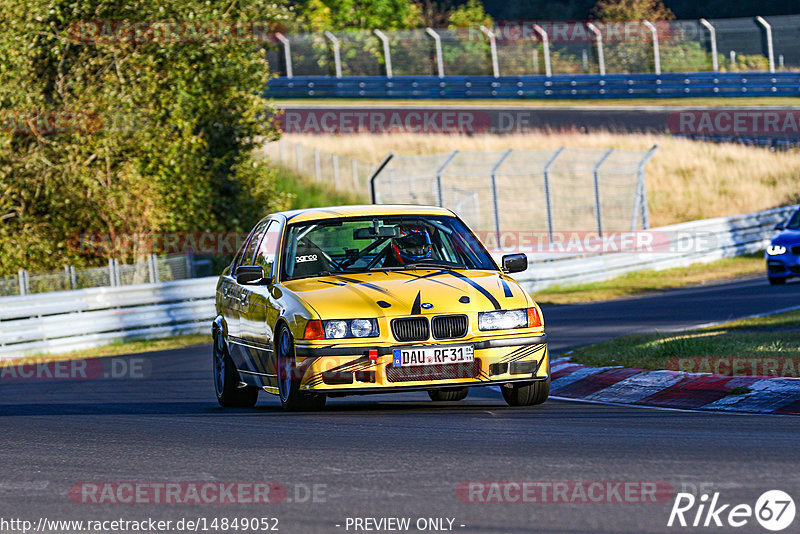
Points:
(67, 320)
(61, 321)
(646, 85)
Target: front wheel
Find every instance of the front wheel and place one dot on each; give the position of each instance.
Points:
(448, 394)
(292, 399)
(226, 379)
(526, 393)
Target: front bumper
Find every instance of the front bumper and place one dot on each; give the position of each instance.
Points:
(350, 369)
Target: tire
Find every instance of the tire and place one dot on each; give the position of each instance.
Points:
(292, 399)
(226, 379)
(448, 394)
(776, 281)
(526, 394)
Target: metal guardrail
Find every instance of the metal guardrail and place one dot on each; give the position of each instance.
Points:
(68, 320)
(647, 85)
(62, 321)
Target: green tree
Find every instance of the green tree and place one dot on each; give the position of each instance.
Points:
(332, 15)
(171, 140)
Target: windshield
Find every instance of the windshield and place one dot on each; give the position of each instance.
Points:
(363, 244)
(794, 222)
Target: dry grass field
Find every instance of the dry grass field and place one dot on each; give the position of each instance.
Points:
(686, 180)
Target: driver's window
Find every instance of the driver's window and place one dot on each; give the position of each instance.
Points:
(265, 257)
(250, 250)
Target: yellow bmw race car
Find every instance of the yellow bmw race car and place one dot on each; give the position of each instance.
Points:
(373, 299)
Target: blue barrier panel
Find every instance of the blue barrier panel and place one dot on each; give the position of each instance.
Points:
(671, 85)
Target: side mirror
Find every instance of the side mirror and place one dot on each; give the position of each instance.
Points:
(780, 226)
(247, 274)
(515, 263)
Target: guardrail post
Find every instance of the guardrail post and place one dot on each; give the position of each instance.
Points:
(656, 55)
(287, 53)
(548, 204)
(337, 58)
(335, 159)
(438, 44)
(317, 166)
(597, 204)
(640, 202)
(439, 171)
(387, 52)
(493, 44)
(546, 45)
(601, 60)
(22, 275)
(712, 32)
(770, 53)
(372, 192)
(495, 167)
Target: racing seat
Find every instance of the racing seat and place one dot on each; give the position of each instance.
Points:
(309, 259)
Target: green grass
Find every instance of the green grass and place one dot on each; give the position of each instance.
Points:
(547, 103)
(117, 348)
(305, 193)
(761, 345)
(641, 282)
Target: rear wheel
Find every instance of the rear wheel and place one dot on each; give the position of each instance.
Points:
(526, 393)
(776, 281)
(226, 379)
(292, 399)
(448, 394)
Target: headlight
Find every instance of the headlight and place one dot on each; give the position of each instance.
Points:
(339, 329)
(502, 320)
(774, 250)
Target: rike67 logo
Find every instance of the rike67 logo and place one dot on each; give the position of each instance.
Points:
(774, 510)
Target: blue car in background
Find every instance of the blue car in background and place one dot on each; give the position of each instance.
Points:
(783, 253)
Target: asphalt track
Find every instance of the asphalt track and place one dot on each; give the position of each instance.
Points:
(397, 455)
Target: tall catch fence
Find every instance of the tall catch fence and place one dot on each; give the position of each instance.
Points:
(519, 190)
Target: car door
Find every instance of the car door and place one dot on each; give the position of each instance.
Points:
(258, 311)
(239, 297)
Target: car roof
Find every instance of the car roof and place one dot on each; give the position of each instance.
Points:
(364, 210)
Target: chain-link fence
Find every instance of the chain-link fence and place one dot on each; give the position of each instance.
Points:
(512, 48)
(154, 269)
(563, 189)
(341, 173)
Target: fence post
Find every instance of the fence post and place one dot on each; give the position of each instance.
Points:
(335, 159)
(495, 167)
(656, 55)
(372, 192)
(548, 204)
(640, 203)
(317, 166)
(22, 276)
(66, 278)
(72, 279)
(151, 263)
(112, 280)
(713, 36)
(597, 205)
(299, 157)
(189, 265)
(770, 53)
(387, 52)
(493, 46)
(440, 199)
(356, 185)
(287, 54)
(438, 43)
(546, 45)
(601, 60)
(337, 58)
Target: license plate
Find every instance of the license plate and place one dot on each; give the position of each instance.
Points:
(419, 356)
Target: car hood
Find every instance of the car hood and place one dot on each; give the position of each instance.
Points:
(396, 293)
(787, 238)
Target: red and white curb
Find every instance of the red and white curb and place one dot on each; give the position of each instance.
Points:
(674, 389)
